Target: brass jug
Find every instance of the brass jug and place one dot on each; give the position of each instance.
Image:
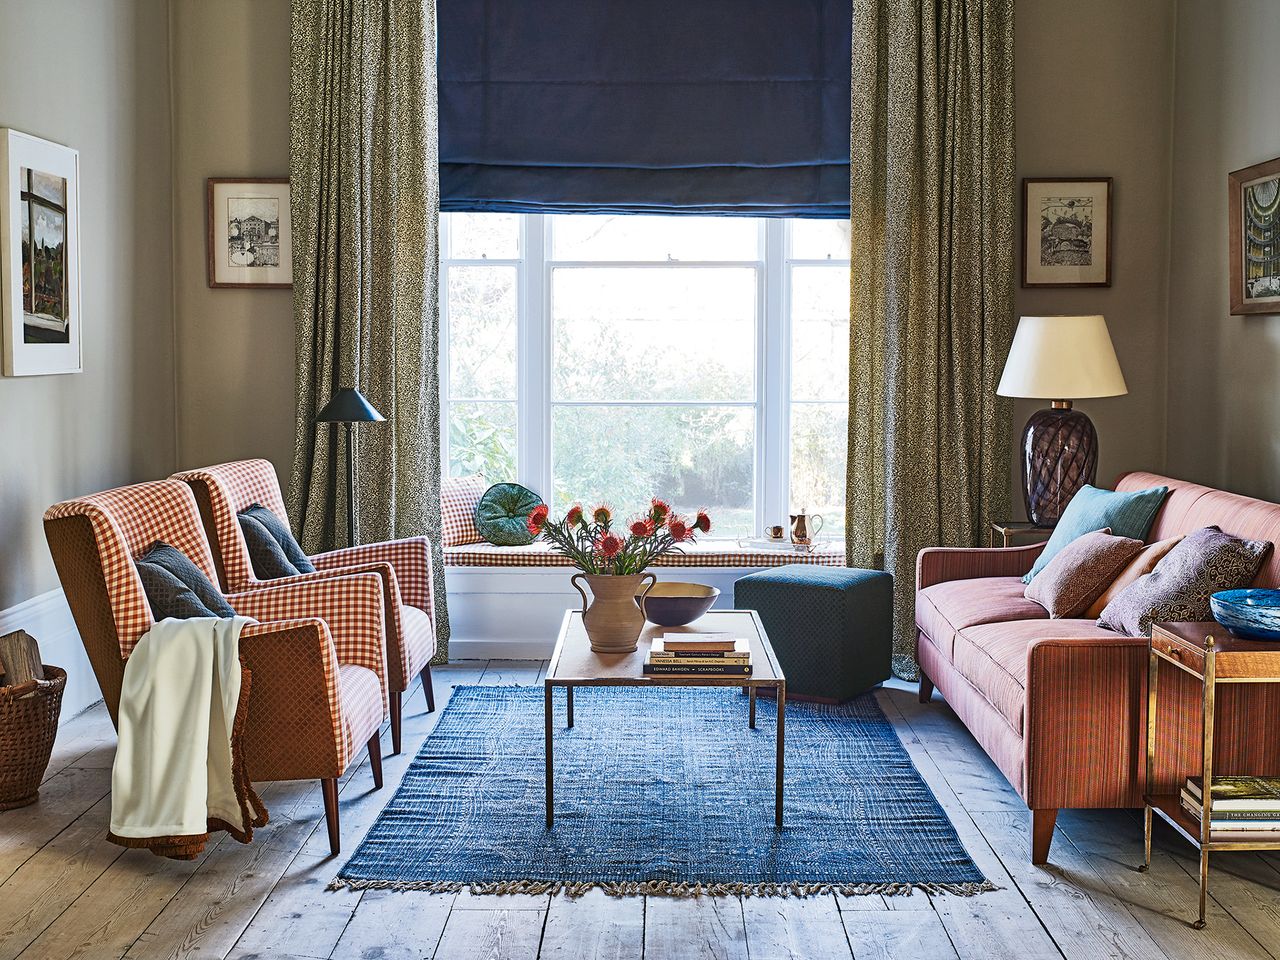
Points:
(805, 526)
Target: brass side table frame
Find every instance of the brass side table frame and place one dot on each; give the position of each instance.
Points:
(1208, 652)
(574, 665)
(1010, 530)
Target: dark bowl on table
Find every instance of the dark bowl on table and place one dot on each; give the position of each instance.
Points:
(676, 604)
(1253, 613)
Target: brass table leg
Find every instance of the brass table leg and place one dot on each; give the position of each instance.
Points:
(569, 693)
(751, 709)
(1206, 774)
(1153, 676)
(547, 699)
(782, 715)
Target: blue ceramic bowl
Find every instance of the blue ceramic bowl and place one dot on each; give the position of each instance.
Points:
(676, 604)
(1252, 613)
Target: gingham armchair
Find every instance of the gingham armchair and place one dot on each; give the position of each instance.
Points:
(318, 689)
(404, 566)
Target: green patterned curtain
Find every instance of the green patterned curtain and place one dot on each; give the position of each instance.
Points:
(932, 210)
(365, 208)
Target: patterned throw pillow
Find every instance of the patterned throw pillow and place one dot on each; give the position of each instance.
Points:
(266, 556)
(1178, 589)
(1128, 514)
(502, 516)
(282, 535)
(459, 497)
(1142, 564)
(175, 587)
(1080, 572)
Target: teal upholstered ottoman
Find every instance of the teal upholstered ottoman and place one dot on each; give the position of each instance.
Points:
(831, 627)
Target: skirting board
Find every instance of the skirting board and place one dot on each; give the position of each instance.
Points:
(48, 618)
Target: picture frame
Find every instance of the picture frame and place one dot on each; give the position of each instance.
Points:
(1253, 218)
(250, 237)
(1066, 231)
(41, 321)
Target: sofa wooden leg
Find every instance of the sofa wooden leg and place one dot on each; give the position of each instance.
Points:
(396, 711)
(329, 787)
(375, 760)
(1042, 822)
(926, 688)
(428, 689)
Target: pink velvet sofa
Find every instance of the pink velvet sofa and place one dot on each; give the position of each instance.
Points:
(1060, 705)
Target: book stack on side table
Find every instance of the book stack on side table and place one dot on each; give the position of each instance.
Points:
(699, 655)
(1240, 808)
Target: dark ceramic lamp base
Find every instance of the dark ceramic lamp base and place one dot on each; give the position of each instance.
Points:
(1059, 456)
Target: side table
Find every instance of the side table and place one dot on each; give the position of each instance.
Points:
(1010, 531)
(1210, 653)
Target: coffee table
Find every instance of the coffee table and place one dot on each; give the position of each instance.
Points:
(574, 664)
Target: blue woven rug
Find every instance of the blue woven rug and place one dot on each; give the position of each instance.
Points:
(661, 791)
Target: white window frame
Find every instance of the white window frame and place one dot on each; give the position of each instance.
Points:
(534, 266)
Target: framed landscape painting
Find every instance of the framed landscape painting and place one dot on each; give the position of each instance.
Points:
(39, 256)
(250, 244)
(1066, 232)
(1253, 207)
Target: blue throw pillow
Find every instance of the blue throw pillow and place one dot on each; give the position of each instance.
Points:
(282, 535)
(1127, 514)
(266, 556)
(176, 587)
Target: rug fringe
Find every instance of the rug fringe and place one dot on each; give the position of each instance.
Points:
(666, 888)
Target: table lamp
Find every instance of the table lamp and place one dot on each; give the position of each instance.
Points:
(348, 406)
(1059, 359)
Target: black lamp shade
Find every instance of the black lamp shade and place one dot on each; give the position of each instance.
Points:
(348, 405)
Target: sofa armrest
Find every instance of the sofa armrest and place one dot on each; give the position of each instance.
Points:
(941, 564)
(410, 558)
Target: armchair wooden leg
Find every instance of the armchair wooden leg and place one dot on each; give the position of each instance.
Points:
(375, 760)
(1042, 822)
(396, 712)
(428, 689)
(926, 688)
(329, 787)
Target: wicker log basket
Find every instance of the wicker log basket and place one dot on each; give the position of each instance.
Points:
(28, 724)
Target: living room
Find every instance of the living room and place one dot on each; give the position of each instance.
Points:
(921, 357)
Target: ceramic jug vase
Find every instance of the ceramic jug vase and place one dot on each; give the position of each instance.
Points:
(612, 617)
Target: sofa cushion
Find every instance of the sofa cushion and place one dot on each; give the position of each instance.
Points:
(993, 657)
(1080, 572)
(945, 608)
(1139, 566)
(1127, 513)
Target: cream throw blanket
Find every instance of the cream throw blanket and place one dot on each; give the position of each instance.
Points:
(178, 771)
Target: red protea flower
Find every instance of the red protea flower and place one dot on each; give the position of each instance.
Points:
(678, 529)
(659, 510)
(642, 528)
(703, 522)
(601, 515)
(574, 516)
(538, 519)
(609, 546)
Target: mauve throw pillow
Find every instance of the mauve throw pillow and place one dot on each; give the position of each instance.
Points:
(1080, 571)
(1142, 564)
(1178, 589)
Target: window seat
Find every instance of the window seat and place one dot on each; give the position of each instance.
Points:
(705, 553)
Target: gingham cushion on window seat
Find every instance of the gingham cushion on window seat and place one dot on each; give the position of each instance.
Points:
(712, 553)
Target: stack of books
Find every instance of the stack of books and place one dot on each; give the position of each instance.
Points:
(1246, 808)
(699, 655)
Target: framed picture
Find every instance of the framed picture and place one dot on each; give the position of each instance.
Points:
(1254, 222)
(39, 256)
(1066, 232)
(250, 244)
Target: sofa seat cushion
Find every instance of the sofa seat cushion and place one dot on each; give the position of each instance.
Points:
(993, 657)
(945, 608)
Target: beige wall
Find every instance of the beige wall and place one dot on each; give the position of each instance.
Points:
(92, 74)
(1094, 86)
(1224, 371)
(235, 392)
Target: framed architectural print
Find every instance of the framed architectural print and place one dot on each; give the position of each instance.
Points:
(250, 244)
(1253, 207)
(1066, 232)
(39, 256)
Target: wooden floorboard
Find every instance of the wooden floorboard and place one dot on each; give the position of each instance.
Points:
(65, 892)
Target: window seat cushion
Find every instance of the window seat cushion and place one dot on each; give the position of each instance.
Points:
(706, 553)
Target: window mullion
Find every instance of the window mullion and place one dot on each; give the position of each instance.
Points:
(774, 452)
(532, 363)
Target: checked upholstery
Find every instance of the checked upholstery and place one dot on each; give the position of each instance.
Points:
(316, 657)
(404, 566)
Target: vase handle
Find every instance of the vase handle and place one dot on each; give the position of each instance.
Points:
(653, 579)
(577, 586)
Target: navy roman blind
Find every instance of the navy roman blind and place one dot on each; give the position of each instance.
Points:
(645, 106)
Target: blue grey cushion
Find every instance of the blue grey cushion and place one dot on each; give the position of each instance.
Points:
(265, 553)
(176, 587)
(1128, 514)
(280, 531)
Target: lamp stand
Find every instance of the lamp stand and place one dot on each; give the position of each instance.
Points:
(351, 485)
(1059, 456)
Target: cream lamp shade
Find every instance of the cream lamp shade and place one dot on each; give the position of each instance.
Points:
(1062, 358)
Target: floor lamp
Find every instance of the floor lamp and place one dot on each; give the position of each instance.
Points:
(348, 406)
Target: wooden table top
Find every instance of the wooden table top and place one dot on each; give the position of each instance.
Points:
(1234, 657)
(574, 660)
